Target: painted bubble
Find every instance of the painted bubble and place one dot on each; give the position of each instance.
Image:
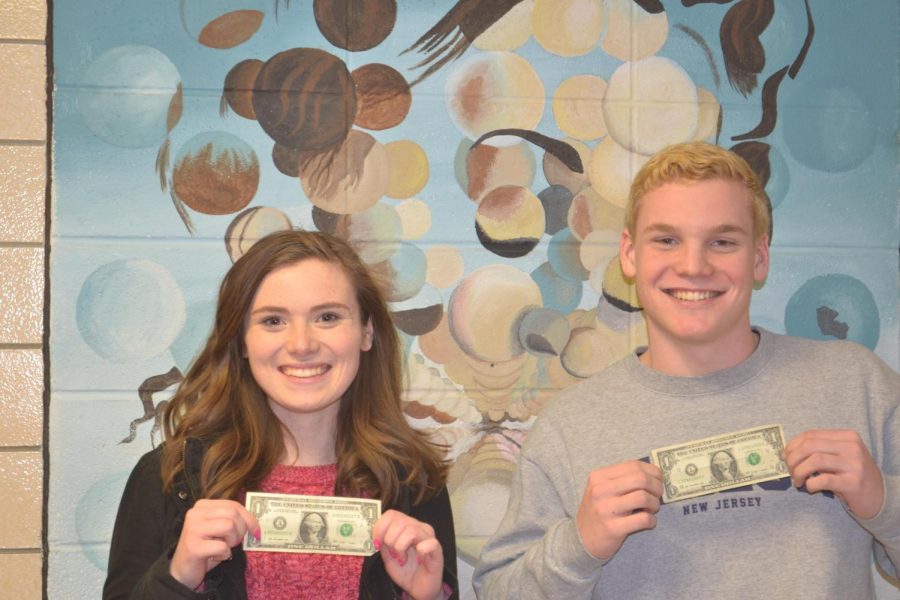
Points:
(834, 307)
(348, 180)
(484, 168)
(510, 31)
(215, 173)
(834, 133)
(557, 293)
(509, 221)
(374, 233)
(238, 89)
(421, 313)
(251, 225)
(495, 90)
(559, 174)
(355, 24)
(222, 24)
(563, 253)
(383, 96)
(567, 27)
(130, 310)
(650, 104)
(484, 310)
(304, 98)
(131, 96)
(408, 169)
(611, 170)
(556, 200)
(631, 32)
(598, 248)
(415, 218)
(404, 272)
(590, 212)
(544, 332)
(618, 290)
(286, 160)
(445, 266)
(578, 107)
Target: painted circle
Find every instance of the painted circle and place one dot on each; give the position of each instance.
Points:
(355, 25)
(348, 180)
(509, 221)
(304, 98)
(215, 173)
(130, 310)
(650, 104)
(495, 90)
(484, 310)
(408, 168)
(834, 306)
(129, 96)
(567, 27)
(578, 107)
(382, 95)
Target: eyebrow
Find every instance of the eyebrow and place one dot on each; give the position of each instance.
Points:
(317, 307)
(720, 229)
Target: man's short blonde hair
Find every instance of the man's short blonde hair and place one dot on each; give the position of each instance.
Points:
(699, 161)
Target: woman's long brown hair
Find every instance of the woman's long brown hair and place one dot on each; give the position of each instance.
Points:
(220, 403)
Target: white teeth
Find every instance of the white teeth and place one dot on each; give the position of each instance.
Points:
(310, 372)
(693, 295)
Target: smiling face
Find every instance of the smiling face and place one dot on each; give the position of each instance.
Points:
(303, 338)
(694, 260)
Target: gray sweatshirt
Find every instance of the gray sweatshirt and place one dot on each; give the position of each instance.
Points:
(767, 540)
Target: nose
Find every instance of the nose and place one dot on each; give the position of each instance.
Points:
(693, 260)
(301, 338)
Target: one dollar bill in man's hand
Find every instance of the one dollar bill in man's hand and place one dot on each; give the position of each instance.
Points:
(721, 463)
(313, 524)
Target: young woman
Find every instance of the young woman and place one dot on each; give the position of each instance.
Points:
(297, 391)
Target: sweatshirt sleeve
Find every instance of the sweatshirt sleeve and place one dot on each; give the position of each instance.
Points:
(536, 552)
(885, 526)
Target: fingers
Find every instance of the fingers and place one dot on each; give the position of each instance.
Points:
(618, 500)
(397, 533)
(211, 529)
(838, 461)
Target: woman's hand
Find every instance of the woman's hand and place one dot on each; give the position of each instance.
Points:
(211, 529)
(412, 555)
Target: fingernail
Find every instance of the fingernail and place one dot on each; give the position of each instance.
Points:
(393, 554)
(257, 534)
(419, 560)
(377, 543)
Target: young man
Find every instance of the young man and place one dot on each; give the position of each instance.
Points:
(585, 517)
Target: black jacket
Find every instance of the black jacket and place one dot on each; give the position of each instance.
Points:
(149, 524)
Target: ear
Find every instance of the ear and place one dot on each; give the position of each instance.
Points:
(761, 259)
(368, 336)
(626, 254)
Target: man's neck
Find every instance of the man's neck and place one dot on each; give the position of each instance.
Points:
(700, 359)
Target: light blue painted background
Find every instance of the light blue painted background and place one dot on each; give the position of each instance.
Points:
(107, 204)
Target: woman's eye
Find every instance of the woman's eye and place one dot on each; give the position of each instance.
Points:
(329, 317)
(272, 321)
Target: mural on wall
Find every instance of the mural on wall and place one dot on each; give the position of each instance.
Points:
(478, 156)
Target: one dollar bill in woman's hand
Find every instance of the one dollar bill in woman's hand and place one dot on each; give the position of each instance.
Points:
(313, 524)
(722, 462)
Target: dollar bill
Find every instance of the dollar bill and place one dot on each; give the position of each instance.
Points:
(721, 463)
(313, 524)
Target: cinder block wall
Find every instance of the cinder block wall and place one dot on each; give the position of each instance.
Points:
(23, 184)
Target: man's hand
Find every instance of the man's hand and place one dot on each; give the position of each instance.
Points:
(837, 460)
(618, 501)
